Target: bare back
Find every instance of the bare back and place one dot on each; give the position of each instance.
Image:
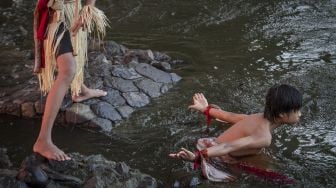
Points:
(252, 125)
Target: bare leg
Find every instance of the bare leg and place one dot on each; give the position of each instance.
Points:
(44, 145)
(88, 93)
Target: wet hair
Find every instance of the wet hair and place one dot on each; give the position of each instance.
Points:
(281, 99)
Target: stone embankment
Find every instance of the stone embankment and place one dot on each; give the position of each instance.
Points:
(132, 79)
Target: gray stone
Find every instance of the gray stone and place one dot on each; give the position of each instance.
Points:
(101, 123)
(79, 113)
(106, 110)
(125, 111)
(165, 65)
(122, 168)
(136, 99)
(125, 73)
(133, 64)
(94, 82)
(120, 84)
(161, 65)
(153, 73)
(101, 59)
(99, 69)
(114, 98)
(149, 87)
(175, 77)
(28, 110)
(161, 56)
(92, 101)
(112, 48)
(166, 88)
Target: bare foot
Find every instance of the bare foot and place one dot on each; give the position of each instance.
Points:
(50, 151)
(200, 102)
(88, 94)
(184, 154)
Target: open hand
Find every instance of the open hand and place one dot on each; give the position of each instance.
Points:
(183, 154)
(200, 102)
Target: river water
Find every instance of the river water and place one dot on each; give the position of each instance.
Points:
(235, 50)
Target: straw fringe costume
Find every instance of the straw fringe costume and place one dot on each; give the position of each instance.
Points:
(53, 19)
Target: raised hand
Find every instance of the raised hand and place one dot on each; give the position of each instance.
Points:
(200, 102)
(183, 154)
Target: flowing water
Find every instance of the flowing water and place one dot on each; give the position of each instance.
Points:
(235, 50)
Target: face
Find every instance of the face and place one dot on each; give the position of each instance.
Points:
(291, 117)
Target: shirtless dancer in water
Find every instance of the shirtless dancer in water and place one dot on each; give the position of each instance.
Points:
(248, 133)
(66, 71)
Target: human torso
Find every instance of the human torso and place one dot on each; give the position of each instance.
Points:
(252, 125)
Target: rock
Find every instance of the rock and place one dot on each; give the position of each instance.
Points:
(114, 98)
(11, 182)
(149, 87)
(100, 68)
(92, 101)
(4, 159)
(166, 88)
(39, 106)
(161, 65)
(122, 168)
(101, 59)
(36, 171)
(194, 182)
(112, 48)
(175, 77)
(94, 82)
(66, 103)
(101, 123)
(79, 113)
(125, 111)
(107, 111)
(28, 109)
(11, 108)
(120, 84)
(136, 99)
(153, 73)
(161, 56)
(125, 73)
(133, 64)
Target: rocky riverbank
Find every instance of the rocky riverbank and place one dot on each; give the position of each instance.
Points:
(131, 77)
(81, 171)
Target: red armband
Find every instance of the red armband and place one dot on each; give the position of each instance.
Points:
(207, 115)
(198, 158)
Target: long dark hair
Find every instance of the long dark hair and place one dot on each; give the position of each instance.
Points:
(281, 99)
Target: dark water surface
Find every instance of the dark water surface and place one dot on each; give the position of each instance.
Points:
(235, 49)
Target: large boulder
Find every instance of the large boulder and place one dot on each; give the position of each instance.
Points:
(81, 171)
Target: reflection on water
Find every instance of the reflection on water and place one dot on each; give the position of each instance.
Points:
(236, 50)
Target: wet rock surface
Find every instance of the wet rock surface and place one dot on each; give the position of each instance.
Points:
(130, 77)
(80, 171)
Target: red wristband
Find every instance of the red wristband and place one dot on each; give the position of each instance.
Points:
(198, 160)
(207, 115)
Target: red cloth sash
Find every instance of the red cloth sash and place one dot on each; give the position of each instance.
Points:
(43, 12)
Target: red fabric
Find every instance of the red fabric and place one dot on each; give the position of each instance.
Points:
(266, 174)
(198, 160)
(42, 27)
(43, 22)
(207, 115)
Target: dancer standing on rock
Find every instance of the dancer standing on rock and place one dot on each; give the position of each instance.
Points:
(248, 133)
(60, 36)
